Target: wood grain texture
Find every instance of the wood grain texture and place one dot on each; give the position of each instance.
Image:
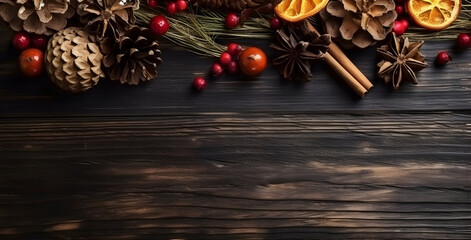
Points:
(447, 88)
(237, 176)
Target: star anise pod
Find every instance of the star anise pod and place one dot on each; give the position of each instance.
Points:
(401, 59)
(297, 48)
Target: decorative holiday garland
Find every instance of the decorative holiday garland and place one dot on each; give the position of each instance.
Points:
(117, 39)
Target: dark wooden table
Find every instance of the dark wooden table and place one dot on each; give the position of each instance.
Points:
(244, 159)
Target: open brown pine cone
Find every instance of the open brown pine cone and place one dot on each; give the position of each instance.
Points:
(36, 16)
(133, 58)
(359, 23)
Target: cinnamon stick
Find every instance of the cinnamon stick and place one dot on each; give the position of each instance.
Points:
(337, 53)
(346, 76)
(345, 62)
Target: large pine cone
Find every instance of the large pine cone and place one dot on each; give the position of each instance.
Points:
(359, 23)
(73, 60)
(36, 16)
(133, 58)
(236, 5)
(107, 18)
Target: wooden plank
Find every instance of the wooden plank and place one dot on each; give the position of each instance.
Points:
(237, 176)
(447, 88)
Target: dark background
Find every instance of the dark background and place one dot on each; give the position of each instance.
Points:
(244, 159)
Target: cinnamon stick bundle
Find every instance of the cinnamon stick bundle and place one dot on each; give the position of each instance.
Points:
(345, 68)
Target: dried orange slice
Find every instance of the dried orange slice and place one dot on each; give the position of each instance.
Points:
(297, 10)
(434, 14)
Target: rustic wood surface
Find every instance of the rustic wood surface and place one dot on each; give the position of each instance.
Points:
(244, 159)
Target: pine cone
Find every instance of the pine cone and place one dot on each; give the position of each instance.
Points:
(107, 18)
(73, 60)
(359, 23)
(35, 16)
(133, 58)
(236, 5)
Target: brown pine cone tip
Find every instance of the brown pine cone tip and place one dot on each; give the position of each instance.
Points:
(36, 16)
(107, 18)
(236, 5)
(359, 23)
(73, 60)
(134, 58)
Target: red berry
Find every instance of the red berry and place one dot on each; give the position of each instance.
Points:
(152, 3)
(39, 41)
(172, 8)
(234, 49)
(463, 40)
(225, 58)
(181, 5)
(399, 9)
(275, 23)
(21, 41)
(232, 20)
(405, 23)
(399, 28)
(159, 25)
(199, 83)
(442, 58)
(232, 67)
(399, 1)
(216, 69)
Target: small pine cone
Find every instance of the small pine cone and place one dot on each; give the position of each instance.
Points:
(134, 58)
(73, 60)
(107, 18)
(40, 17)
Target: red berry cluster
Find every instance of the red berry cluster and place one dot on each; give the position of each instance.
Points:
(463, 41)
(31, 59)
(177, 6)
(227, 62)
(401, 24)
(24, 40)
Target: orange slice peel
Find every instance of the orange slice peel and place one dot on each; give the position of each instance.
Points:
(434, 14)
(297, 10)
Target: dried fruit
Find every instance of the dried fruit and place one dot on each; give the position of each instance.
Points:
(297, 10)
(32, 62)
(434, 14)
(252, 61)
